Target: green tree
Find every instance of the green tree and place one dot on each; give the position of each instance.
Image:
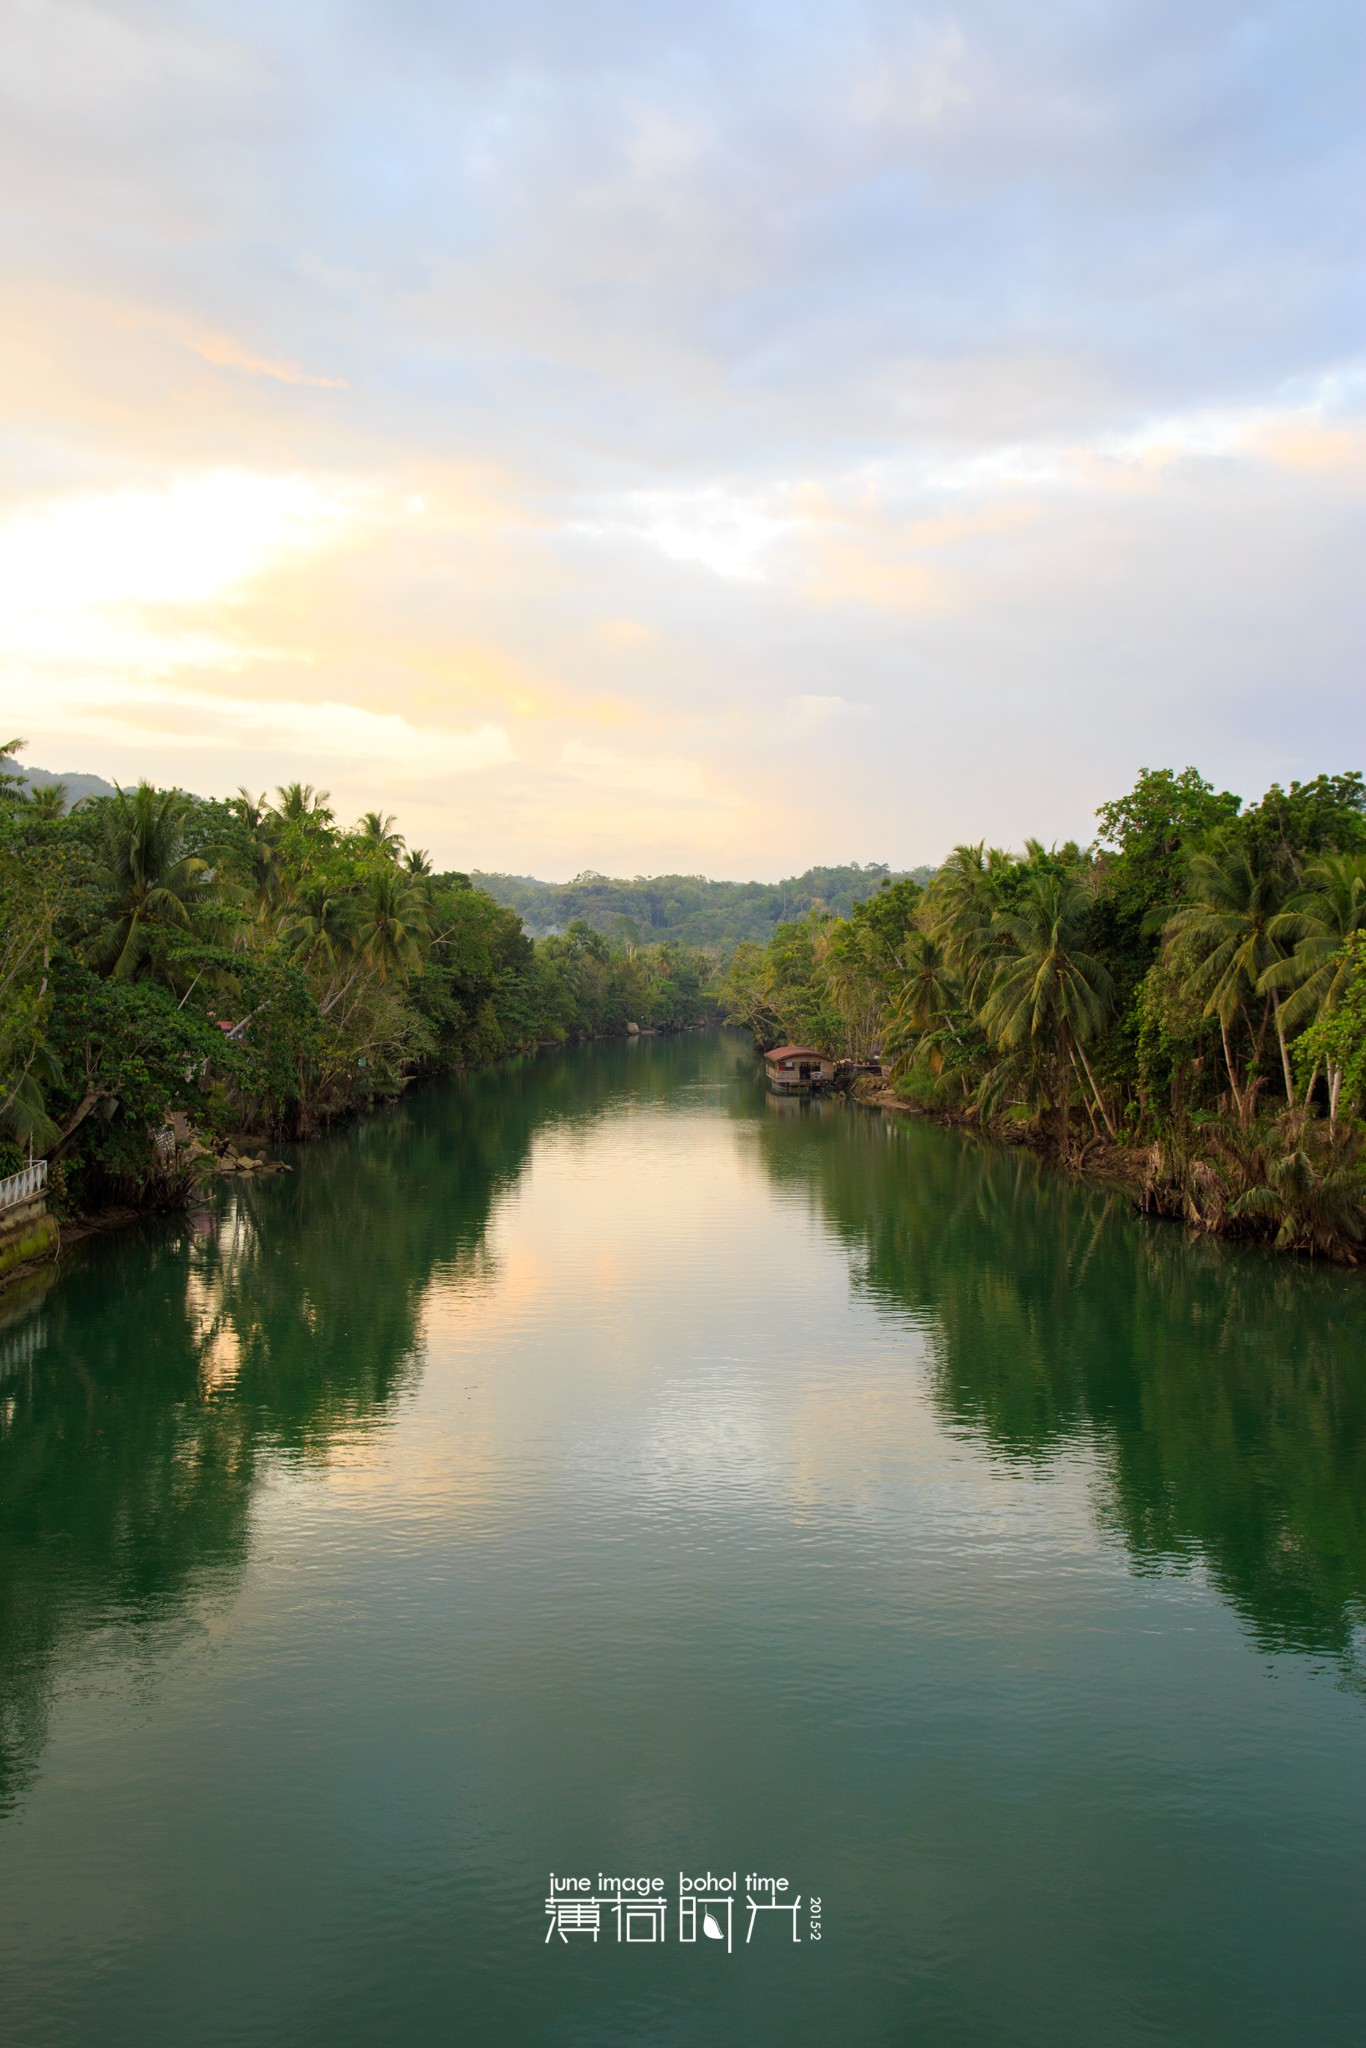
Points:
(319, 931)
(152, 879)
(1290, 827)
(393, 922)
(930, 993)
(960, 909)
(1049, 994)
(1337, 1037)
(1162, 817)
(27, 1063)
(1314, 1208)
(11, 780)
(377, 831)
(252, 850)
(297, 802)
(1232, 923)
(745, 992)
(1319, 920)
(47, 802)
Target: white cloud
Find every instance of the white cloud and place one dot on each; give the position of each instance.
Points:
(732, 533)
(328, 732)
(987, 358)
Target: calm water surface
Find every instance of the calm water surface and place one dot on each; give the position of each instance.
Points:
(595, 1467)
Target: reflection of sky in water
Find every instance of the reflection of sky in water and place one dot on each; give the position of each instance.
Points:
(583, 1467)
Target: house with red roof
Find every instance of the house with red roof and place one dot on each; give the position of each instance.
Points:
(792, 1068)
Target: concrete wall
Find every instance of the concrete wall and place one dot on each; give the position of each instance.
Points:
(27, 1236)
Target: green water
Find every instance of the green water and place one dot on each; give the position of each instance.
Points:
(595, 1467)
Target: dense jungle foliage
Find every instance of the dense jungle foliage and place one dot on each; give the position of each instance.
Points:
(169, 963)
(686, 908)
(1191, 987)
(1194, 984)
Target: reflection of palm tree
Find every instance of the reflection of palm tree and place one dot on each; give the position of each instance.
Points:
(1234, 899)
(1048, 994)
(151, 876)
(317, 1339)
(1319, 919)
(1210, 1380)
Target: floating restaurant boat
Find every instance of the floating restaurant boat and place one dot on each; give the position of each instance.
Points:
(797, 1069)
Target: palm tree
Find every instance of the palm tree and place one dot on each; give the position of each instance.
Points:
(848, 968)
(927, 1001)
(418, 861)
(27, 1061)
(47, 803)
(11, 784)
(152, 877)
(1048, 993)
(261, 852)
(1315, 1211)
(1232, 921)
(300, 801)
(394, 921)
(378, 831)
(1319, 919)
(959, 907)
(321, 928)
(23, 1108)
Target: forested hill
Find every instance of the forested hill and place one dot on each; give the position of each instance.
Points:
(75, 783)
(689, 908)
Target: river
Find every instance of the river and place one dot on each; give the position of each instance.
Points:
(593, 1466)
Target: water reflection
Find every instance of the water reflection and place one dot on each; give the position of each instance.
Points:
(137, 1404)
(1224, 1390)
(141, 1399)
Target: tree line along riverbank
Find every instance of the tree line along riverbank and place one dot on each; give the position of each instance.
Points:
(688, 909)
(1181, 1004)
(176, 973)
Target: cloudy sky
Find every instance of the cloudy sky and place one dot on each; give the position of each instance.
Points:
(723, 437)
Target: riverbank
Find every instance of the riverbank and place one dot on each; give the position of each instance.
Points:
(1261, 1184)
(191, 1160)
(257, 998)
(1096, 1157)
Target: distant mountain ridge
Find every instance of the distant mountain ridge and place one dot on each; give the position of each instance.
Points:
(692, 909)
(689, 908)
(76, 783)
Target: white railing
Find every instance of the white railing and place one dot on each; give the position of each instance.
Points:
(22, 1187)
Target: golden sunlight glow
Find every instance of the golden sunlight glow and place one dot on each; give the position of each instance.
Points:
(197, 540)
(325, 730)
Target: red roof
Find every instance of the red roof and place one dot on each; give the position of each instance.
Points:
(794, 1052)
